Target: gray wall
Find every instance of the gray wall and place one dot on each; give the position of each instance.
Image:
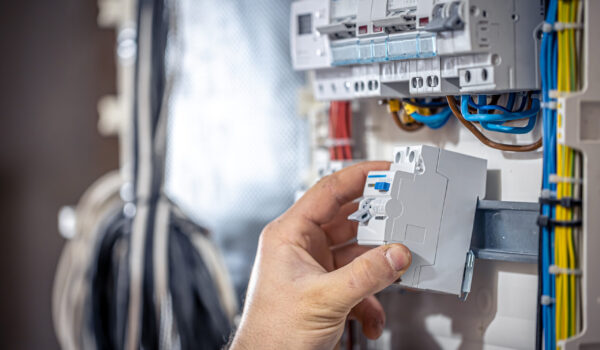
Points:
(54, 65)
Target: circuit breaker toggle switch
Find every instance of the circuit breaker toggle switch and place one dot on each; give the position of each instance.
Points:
(382, 186)
(426, 201)
(363, 214)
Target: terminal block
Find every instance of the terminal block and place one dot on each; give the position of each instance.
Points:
(426, 201)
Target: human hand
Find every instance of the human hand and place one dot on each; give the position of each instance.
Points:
(300, 291)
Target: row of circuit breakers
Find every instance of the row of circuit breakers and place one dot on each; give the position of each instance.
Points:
(412, 48)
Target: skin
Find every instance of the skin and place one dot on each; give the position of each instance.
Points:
(301, 292)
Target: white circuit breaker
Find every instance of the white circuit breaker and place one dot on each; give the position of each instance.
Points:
(426, 201)
(402, 48)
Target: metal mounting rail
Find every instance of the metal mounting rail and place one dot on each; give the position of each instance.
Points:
(506, 231)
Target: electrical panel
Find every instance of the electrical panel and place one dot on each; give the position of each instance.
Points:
(521, 91)
(426, 200)
(402, 48)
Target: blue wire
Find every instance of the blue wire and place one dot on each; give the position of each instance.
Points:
(434, 121)
(511, 129)
(548, 69)
(546, 309)
(482, 101)
(554, 83)
(494, 122)
(504, 117)
(482, 107)
(511, 101)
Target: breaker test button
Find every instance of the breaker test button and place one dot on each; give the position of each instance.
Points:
(382, 186)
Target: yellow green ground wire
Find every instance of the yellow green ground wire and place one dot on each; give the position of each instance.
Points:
(565, 253)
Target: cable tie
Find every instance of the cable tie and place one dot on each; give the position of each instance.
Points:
(547, 193)
(560, 26)
(554, 93)
(555, 179)
(547, 300)
(569, 202)
(557, 270)
(565, 202)
(542, 220)
(547, 27)
(545, 221)
(548, 105)
(339, 142)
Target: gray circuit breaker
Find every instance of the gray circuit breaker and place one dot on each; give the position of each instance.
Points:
(426, 201)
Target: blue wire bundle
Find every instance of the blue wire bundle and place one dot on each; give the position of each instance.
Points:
(434, 121)
(495, 122)
(548, 68)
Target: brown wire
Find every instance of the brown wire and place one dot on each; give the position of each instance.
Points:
(410, 127)
(484, 139)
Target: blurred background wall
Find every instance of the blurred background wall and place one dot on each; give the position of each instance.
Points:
(55, 63)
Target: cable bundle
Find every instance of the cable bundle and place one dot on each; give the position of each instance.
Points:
(425, 116)
(413, 114)
(456, 109)
(401, 118)
(559, 224)
(138, 273)
(340, 130)
(493, 117)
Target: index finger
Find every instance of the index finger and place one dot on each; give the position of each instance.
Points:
(320, 204)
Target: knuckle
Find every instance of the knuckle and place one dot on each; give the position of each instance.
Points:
(329, 183)
(294, 230)
(280, 232)
(268, 234)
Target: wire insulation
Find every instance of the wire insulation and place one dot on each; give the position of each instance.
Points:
(453, 104)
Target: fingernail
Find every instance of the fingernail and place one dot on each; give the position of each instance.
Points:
(397, 256)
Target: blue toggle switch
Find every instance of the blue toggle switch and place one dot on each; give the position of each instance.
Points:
(382, 186)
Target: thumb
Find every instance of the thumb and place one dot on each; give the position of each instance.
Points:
(369, 273)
